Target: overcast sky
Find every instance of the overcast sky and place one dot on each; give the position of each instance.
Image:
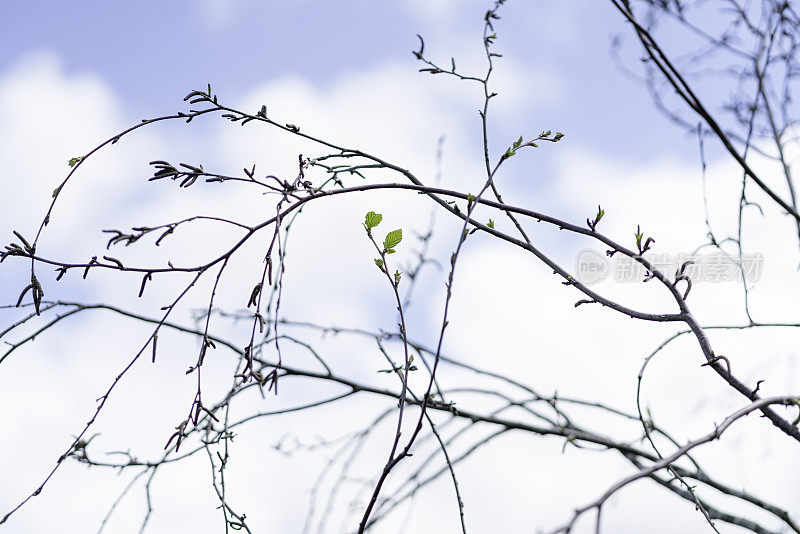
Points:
(74, 73)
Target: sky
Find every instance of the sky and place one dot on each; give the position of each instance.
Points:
(73, 74)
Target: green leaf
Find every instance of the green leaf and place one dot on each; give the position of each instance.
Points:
(491, 224)
(393, 239)
(379, 263)
(372, 220)
(74, 161)
(397, 276)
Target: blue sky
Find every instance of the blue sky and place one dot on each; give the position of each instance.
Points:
(72, 73)
(151, 53)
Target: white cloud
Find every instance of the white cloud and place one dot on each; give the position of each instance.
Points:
(526, 325)
(54, 116)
